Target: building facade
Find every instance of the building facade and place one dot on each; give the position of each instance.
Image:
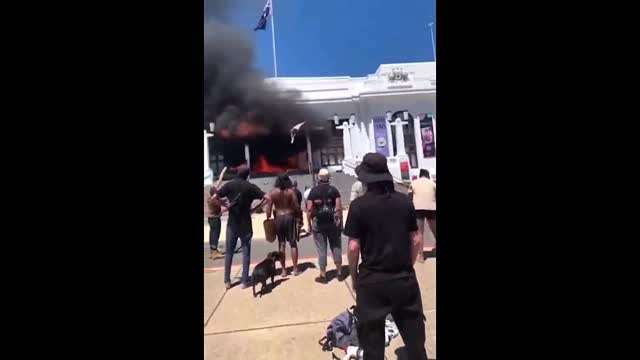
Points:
(392, 111)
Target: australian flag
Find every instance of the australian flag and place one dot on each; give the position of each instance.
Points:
(262, 23)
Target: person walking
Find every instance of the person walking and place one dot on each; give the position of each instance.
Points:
(382, 228)
(239, 194)
(287, 206)
(324, 214)
(423, 194)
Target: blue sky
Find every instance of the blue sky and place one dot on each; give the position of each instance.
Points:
(338, 37)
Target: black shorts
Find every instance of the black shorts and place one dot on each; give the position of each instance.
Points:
(426, 214)
(287, 229)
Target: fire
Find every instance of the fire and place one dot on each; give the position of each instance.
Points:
(263, 165)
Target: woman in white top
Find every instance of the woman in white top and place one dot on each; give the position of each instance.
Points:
(423, 194)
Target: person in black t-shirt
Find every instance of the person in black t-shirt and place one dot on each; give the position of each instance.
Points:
(381, 225)
(239, 194)
(324, 219)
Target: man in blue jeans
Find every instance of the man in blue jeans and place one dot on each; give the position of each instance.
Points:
(239, 194)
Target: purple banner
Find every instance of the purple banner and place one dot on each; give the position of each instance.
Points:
(380, 135)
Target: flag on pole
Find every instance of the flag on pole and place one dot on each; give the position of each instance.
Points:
(262, 23)
(294, 131)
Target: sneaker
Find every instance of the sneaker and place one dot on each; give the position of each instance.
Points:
(227, 286)
(321, 279)
(215, 254)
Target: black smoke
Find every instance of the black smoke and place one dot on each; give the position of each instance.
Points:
(244, 108)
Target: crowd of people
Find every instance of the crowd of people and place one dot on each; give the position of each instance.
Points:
(385, 229)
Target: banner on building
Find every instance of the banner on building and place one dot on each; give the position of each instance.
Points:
(427, 136)
(380, 135)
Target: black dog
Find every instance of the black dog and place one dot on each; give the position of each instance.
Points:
(265, 270)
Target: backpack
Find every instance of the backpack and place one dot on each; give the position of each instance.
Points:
(324, 213)
(341, 332)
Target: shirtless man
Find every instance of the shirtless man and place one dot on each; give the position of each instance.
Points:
(285, 213)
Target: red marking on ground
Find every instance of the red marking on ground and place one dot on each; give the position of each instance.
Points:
(300, 260)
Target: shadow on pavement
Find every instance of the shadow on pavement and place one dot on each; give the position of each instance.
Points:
(401, 354)
(305, 266)
(332, 274)
(302, 267)
(269, 287)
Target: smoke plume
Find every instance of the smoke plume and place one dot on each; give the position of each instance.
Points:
(245, 109)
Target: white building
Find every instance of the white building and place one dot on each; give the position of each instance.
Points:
(397, 98)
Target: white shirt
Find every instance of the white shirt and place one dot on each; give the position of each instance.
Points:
(357, 189)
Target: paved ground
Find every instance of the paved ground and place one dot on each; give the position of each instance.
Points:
(288, 322)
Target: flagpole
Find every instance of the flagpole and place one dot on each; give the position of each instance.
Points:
(273, 40)
(433, 44)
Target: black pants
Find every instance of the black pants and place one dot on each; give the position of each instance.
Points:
(215, 226)
(402, 299)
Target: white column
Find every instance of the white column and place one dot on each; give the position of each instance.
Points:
(346, 139)
(372, 137)
(400, 136)
(208, 175)
(206, 152)
(418, 134)
(389, 135)
(355, 137)
(365, 139)
(389, 139)
(433, 117)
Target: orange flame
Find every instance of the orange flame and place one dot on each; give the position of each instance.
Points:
(263, 165)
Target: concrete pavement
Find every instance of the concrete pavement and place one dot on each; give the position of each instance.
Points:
(288, 322)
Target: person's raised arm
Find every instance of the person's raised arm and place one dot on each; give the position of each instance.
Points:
(217, 185)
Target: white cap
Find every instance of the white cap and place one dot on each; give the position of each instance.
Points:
(323, 175)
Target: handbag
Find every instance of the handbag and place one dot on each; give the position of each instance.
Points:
(269, 230)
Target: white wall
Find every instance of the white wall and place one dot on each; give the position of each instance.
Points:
(370, 96)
